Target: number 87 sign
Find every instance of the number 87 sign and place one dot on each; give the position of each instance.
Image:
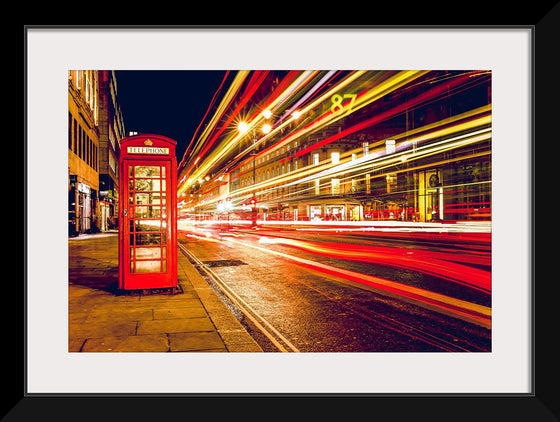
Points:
(337, 103)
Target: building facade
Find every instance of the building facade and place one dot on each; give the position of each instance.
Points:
(95, 125)
(421, 153)
(83, 151)
(111, 131)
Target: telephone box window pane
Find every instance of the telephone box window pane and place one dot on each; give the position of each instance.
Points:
(148, 253)
(147, 171)
(147, 212)
(154, 212)
(147, 185)
(141, 212)
(147, 225)
(148, 239)
(164, 266)
(148, 198)
(148, 266)
(158, 198)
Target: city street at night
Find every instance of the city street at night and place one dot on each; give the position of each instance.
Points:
(331, 211)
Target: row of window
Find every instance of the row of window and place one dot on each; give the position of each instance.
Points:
(263, 159)
(265, 175)
(332, 187)
(335, 159)
(80, 143)
(86, 82)
(335, 156)
(261, 176)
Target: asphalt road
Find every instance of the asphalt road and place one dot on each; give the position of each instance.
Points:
(341, 291)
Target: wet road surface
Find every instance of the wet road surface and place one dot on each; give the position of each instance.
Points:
(305, 291)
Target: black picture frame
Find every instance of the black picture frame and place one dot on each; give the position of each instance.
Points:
(540, 405)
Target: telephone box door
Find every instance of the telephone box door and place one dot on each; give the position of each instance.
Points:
(147, 257)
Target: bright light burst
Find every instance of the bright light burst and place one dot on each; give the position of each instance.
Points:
(243, 127)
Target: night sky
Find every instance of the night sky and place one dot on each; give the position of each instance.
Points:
(170, 103)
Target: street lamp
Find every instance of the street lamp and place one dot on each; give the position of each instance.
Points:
(244, 127)
(224, 206)
(254, 199)
(228, 207)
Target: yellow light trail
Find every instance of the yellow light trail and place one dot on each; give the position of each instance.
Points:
(229, 143)
(381, 162)
(228, 97)
(309, 174)
(369, 94)
(285, 122)
(373, 93)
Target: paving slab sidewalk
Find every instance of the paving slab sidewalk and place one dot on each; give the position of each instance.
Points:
(102, 319)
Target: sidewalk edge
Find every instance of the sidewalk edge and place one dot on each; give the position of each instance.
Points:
(234, 335)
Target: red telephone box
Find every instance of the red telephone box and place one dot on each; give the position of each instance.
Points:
(147, 213)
